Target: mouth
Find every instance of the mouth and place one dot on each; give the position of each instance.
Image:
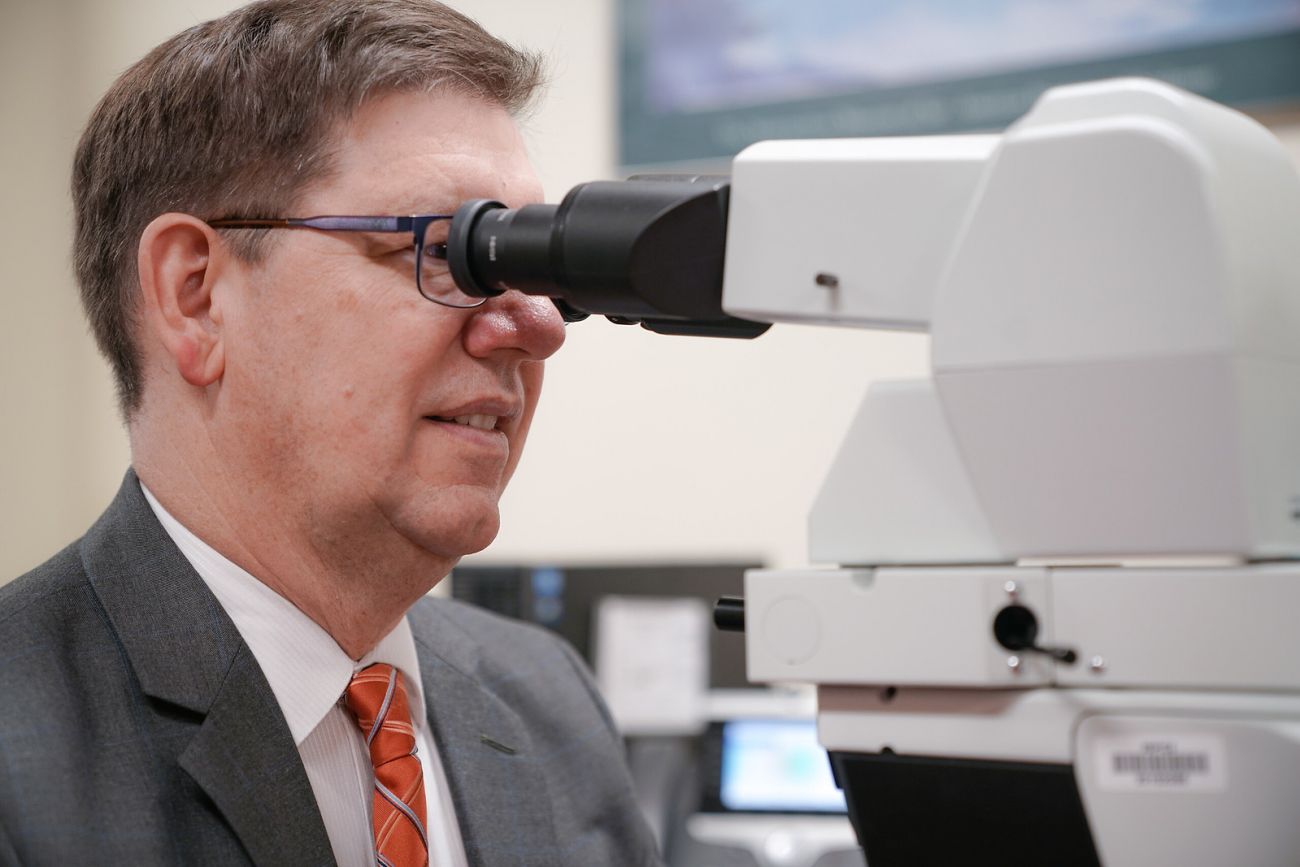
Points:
(477, 421)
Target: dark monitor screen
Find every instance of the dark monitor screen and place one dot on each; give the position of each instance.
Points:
(563, 598)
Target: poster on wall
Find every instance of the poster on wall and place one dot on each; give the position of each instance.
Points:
(701, 79)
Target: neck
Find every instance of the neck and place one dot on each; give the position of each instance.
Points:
(351, 574)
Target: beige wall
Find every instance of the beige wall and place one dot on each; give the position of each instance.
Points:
(645, 447)
(62, 449)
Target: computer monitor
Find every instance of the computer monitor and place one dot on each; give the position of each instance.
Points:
(768, 766)
(563, 598)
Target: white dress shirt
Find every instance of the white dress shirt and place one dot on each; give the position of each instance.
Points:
(308, 672)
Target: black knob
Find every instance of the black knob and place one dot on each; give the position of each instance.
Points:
(1016, 628)
(729, 614)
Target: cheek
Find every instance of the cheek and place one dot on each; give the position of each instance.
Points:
(337, 372)
(287, 374)
(393, 368)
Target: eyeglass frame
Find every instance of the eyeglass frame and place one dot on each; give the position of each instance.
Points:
(417, 225)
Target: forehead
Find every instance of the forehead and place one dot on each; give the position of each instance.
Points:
(407, 153)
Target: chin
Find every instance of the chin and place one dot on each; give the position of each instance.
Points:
(447, 521)
(470, 542)
(465, 534)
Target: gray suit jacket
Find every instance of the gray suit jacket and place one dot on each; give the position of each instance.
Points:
(136, 727)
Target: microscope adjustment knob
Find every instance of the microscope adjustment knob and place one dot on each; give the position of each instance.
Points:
(729, 614)
(1016, 628)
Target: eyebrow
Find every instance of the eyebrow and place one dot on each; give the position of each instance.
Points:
(411, 207)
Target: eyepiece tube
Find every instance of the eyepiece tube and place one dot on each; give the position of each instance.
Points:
(648, 251)
(501, 248)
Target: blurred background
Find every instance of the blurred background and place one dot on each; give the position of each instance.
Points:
(658, 467)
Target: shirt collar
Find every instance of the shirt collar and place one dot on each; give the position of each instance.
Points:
(304, 665)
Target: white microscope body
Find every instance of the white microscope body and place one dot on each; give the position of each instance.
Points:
(1109, 446)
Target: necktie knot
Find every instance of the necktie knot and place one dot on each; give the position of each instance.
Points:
(377, 699)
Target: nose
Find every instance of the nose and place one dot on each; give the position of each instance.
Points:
(515, 321)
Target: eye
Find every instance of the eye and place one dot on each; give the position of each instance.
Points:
(433, 264)
(435, 276)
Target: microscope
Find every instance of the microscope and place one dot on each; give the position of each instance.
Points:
(1058, 620)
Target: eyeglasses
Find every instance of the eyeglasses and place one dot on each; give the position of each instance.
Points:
(432, 275)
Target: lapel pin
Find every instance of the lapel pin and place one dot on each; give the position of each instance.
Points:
(497, 745)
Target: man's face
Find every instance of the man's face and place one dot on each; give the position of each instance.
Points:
(339, 375)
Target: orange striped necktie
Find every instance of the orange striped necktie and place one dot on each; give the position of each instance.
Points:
(377, 698)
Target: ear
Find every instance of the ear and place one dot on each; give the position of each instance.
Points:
(178, 262)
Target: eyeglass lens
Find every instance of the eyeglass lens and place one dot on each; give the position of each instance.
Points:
(434, 275)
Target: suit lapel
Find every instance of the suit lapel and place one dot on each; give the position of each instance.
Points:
(246, 761)
(186, 651)
(498, 789)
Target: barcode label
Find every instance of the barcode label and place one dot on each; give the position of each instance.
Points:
(1187, 763)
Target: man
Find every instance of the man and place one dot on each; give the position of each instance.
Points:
(237, 663)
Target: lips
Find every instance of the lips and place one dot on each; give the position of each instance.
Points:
(478, 421)
(483, 415)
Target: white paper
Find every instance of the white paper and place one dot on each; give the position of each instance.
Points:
(652, 662)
